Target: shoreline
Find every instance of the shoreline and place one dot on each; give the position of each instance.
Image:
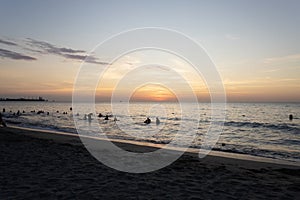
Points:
(69, 138)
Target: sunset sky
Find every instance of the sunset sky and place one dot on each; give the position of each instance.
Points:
(255, 46)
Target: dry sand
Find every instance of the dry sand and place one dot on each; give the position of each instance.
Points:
(43, 165)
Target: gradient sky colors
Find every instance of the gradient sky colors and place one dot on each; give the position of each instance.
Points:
(254, 44)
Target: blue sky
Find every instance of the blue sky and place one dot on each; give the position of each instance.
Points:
(251, 42)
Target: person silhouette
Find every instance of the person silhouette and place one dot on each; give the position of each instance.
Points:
(157, 121)
(90, 117)
(291, 117)
(147, 121)
(2, 122)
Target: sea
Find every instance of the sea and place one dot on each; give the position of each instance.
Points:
(257, 129)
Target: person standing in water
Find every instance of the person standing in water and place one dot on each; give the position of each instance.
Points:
(90, 117)
(2, 122)
(157, 121)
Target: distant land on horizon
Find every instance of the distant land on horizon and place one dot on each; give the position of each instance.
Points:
(23, 99)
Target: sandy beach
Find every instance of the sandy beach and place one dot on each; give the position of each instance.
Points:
(44, 165)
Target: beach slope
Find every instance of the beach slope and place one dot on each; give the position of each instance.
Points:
(41, 165)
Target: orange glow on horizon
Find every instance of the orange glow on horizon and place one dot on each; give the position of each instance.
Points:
(153, 93)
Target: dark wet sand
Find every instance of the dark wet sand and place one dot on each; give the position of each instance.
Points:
(59, 167)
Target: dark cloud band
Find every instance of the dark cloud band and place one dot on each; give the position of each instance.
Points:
(50, 48)
(8, 42)
(68, 53)
(14, 55)
(42, 47)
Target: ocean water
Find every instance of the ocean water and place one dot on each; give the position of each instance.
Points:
(260, 129)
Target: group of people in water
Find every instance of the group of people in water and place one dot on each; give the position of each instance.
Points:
(148, 121)
(87, 116)
(107, 117)
(14, 114)
(18, 113)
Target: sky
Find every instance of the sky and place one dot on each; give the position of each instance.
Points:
(255, 46)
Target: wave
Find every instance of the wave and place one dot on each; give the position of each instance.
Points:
(281, 155)
(42, 126)
(283, 126)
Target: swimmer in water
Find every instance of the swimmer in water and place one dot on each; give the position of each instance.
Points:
(147, 121)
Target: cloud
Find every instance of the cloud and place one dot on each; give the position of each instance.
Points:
(95, 60)
(75, 57)
(262, 82)
(42, 47)
(68, 50)
(8, 42)
(68, 53)
(283, 59)
(14, 55)
(89, 59)
(50, 48)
